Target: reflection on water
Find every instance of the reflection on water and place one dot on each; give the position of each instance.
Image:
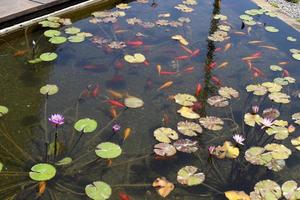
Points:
(93, 79)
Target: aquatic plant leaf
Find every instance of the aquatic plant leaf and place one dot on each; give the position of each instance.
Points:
(186, 145)
(230, 150)
(228, 92)
(272, 87)
(164, 149)
(278, 151)
(220, 17)
(85, 125)
(246, 17)
(218, 101)
(276, 165)
(253, 155)
(291, 39)
(281, 81)
(136, 58)
(281, 123)
(76, 38)
(295, 116)
(296, 51)
(35, 61)
(279, 97)
(117, 45)
(49, 24)
(189, 128)
(271, 14)
(185, 99)
(3, 110)
(236, 195)
(257, 89)
(181, 39)
(271, 29)
(271, 113)
(123, 6)
(211, 123)
(250, 22)
(266, 189)
(64, 161)
(275, 68)
(254, 12)
(108, 150)
(296, 142)
(57, 40)
(184, 8)
(1, 166)
(84, 34)
(52, 33)
(162, 186)
(296, 56)
(49, 56)
(188, 113)
(290, 190)
(49, 89)
(98, 190)
(165, 135)
(72, 30)
(289, 79)
(188, 176)
(53, 19)
(252, 119)
(51, 148)
(224, 27)
(190, 2)
(280, 133)
(42, 172)
(133, 102)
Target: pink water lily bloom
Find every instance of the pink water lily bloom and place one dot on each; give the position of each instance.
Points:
(57, 119)
(267, 122)
(239, 139)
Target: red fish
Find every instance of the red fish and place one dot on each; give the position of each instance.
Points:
(182, 57)
(257, 72)
(96, 91)
(212, 65)
(257, 54)
(167, 73)
(186, 49)
(197, 106)
(124, 196)
(198, 89)
(218, 49)
(117, 78)
(146, 62)
(189, 69)
(216, 80)
(285, 73)
(135, 43)
(195, 53)
(116, 103)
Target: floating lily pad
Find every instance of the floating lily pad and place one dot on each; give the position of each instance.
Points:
(246, 17)
(133, 102)
(211, 123)
(228, 92)
(275, 68)
(296, 51)
(296, 142)
(188, 176)
(3, 110)
(218, 101)
(35, 61)
(1, 166)
(189, 128)
(280, 133)
(266, 189)
(52, 33)
(188, 113)
(123, 6)
(49, 89)
(249, 23)
(236, 195)
(271, 113)
(295, 116)
(186, 145)
(291, 39)
(49, 56)
(272, 87)
(136, 58)
(296, 56)
(53, 19)
(163, 186)
(64, 161)
(98, 190)
(181, 39)
(85, 125)
(76, 39)
(257, 89)
(278, 151)
(165, 135)
(279, 97)
(185, 99)
(290, 190)
(164, 149)
(49, 24)
(72, 30)
(271, 14)
(42, 172)
(281, 81)
(271, 29)
(57, 40)
(108, 150)
(51, 148)
(220, 17)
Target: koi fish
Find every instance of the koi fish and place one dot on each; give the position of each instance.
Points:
(198, 89)
(182, 57)
(165, 85)
(186, 49)
(165, 119)
(41, 188)
(136, 43)
(96, 91)
(189, 69)
(124, 196)
(20, 53)
(218, 49)
(285, 73)
(216, 80)
(158, 68)
(195, 53)
(212, 65)
(113, 113)
(146, 62)
(167, 73)
(227, 47)
(109, 162)
(255, 42)
(126, 133)
(116, 103)
(257, 72)
(121, 31)
(269, 47)
(283, 63)
(239, 33)
(115, 94)
(256, 54)
(224, 64)
(249, 63)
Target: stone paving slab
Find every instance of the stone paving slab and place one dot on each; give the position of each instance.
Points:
(10, 9)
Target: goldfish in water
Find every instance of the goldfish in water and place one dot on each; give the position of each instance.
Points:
(186, 49)
(124, 196)
(41, 188)
(255, 42)
(195, 53)
(285, 73)
(146, 62)
(283, 63)
(212, 65)
(116, 103)
(269, 47)
(198, 89)
(249, 63)
(239, 33)
(167, 73)
(224, 64)
(257, 72)
(189, 69)
(119, 64)
(20, 53)
(115, 94)
(165, 85)
(158, 68)
(216, 80)
(218, 49)
(113, 112)
(227, 47)
(127, 133)
(109, 162)
(96, 91)
(136, 43)
(121, 31)
(182, 57)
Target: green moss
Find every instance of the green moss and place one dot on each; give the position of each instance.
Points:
(274, 5)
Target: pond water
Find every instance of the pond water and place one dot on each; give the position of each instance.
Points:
(200, 48)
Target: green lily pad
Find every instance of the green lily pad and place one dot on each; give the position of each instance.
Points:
(279, 97)
(76, 38)
(271, 14)
(1, 166)
(165, 135)
(72, 30)
(98, 190)
(267, 190)
(57, 40)
(271, 29)
(49, 24)
(275, 68)
(254, 12)
(52, 33)
(246, 17)
(3, 110)
(257, 89)
(53, 19)
(108, 150)
(85, 125)
(35, 61)
(296, 56)
(64, 161)
(188, 176)
(280, 133)
(42, 172)
(290, 190)
(49, 56)
(49, 89)
(296, 51)
(250, 23)
(291, 39)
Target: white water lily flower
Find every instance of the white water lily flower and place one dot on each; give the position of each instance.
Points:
(239, 139)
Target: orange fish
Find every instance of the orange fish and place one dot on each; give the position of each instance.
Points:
(120, 31)
(283, 63)
(116, 103)
(113, 112)
(269, 47)
(41, 188)
(124, 196)
(115, 94)
(216, 80)
(255, 42)
(257, 72)
(218, 49)
(136, 43)
(224, 64)
(165, 119)
(212, 65)
(20, 53)
(195, 53)
(165, 85)
(186, 49)
(126, 133)
(189, 69)
(182, 57)
(227, 47)
(239, 33)
(167, 73)
(96, 91)
(198, 89)
(146, 62)
(158, 68)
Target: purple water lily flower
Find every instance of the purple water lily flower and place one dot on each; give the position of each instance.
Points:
(267, 122)
(239, 139)
(57, 119)
(116, 128)
(211, 149)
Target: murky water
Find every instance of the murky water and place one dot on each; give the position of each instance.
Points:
(82, 67)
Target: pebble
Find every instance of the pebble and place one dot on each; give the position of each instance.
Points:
(290, 9)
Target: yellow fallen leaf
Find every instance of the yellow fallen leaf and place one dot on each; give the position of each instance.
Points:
(236, 195)
(136, 58)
